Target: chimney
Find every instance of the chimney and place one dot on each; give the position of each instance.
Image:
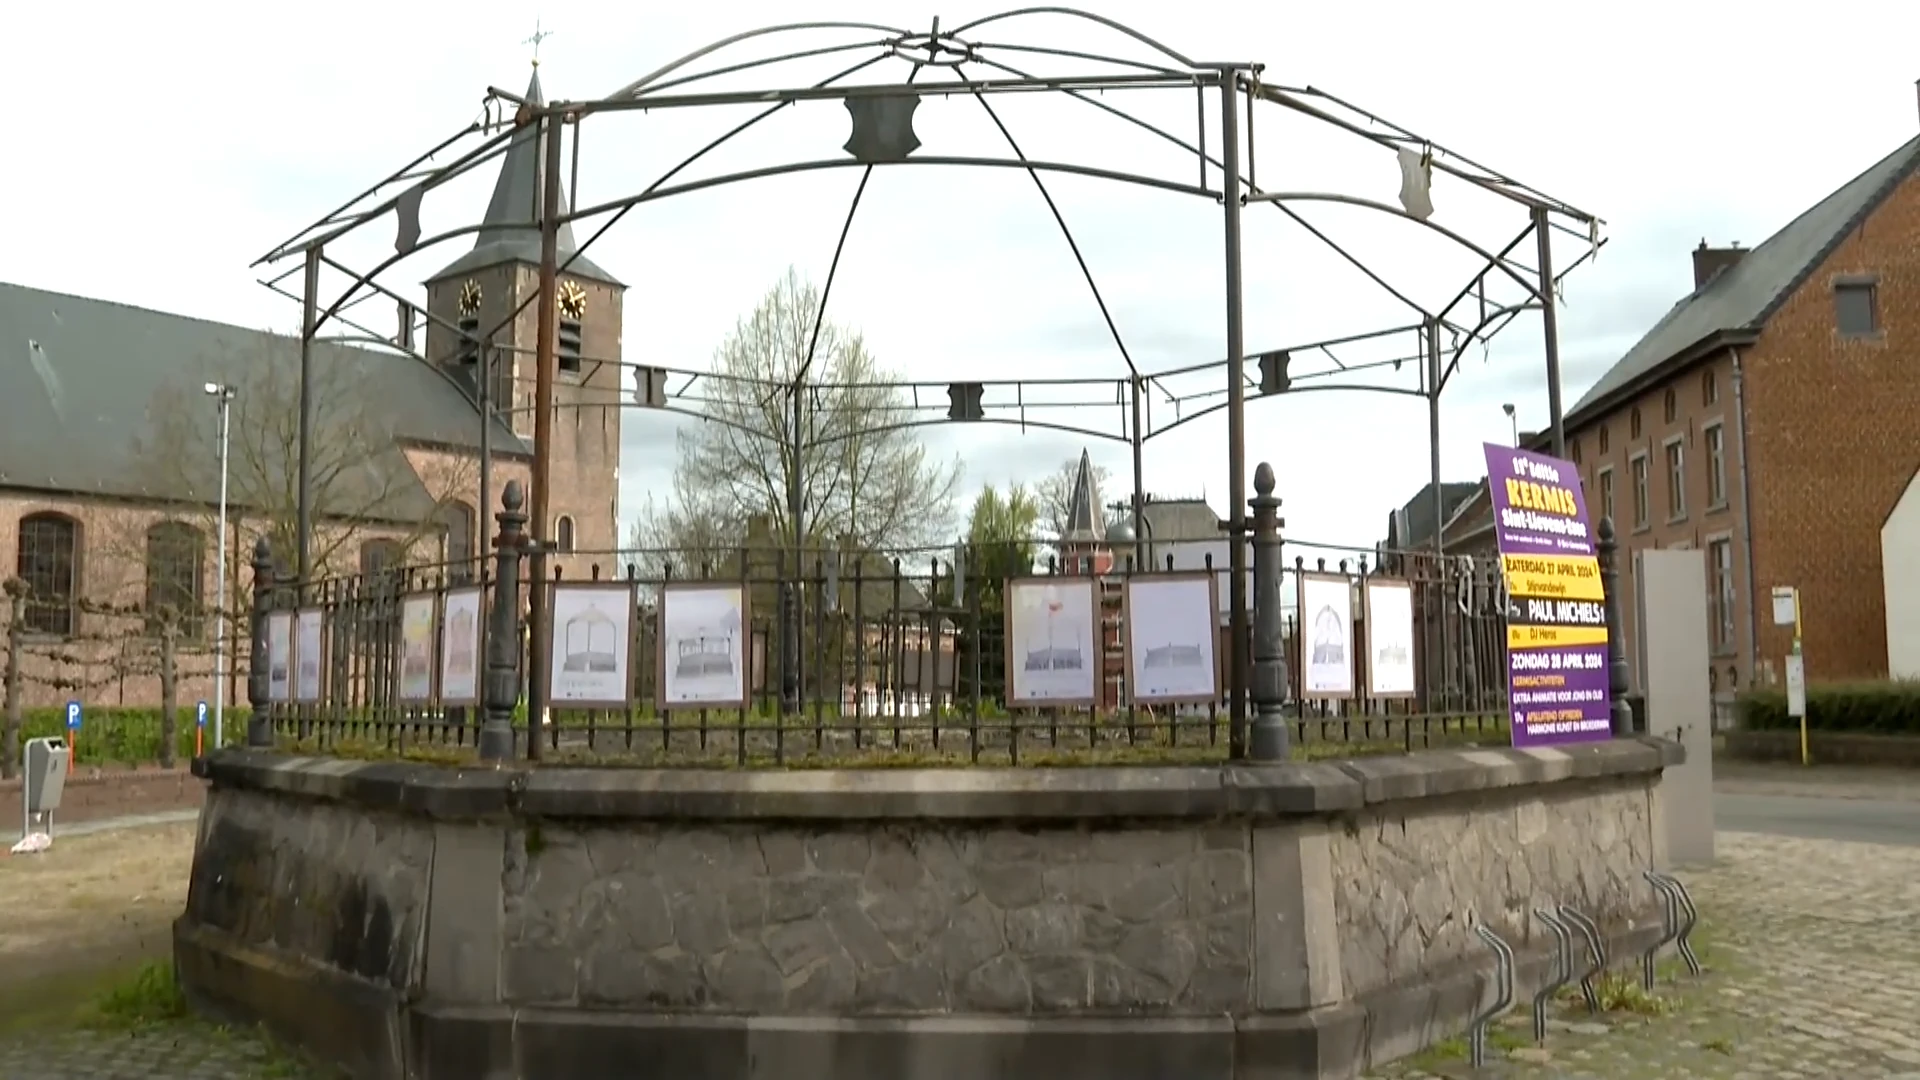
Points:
(1709, 262)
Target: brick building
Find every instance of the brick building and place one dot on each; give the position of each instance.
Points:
(1771, 419)
(109, 474)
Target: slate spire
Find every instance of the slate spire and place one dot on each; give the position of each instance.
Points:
(1086, 521)
(510, 231)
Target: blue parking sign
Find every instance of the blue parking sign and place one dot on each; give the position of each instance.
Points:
(73, 716)
(200, 716)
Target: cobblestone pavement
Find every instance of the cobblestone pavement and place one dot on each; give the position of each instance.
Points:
(186, 1051)
(1813, 950)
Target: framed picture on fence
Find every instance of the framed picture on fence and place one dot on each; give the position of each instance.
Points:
(460, 613)
(1389, 632)
(591, 665)
(704, 646)
(416, 661)
(1326, 635)
(280, 656)
(1173, 638)
(309, 653)
(1053, 642)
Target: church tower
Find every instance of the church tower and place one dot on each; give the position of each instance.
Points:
(479, 289)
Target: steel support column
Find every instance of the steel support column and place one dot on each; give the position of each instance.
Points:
(539, 636)
(796, 520)
(1550, 323)
(309, 320)
(1240, 630)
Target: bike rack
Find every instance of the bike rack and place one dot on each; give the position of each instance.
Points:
(1596, 954)
(1562, 970)
(1681, 916)
(1690, 917)
(1503, 994)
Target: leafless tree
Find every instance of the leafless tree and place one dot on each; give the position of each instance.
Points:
(363, 483)
(862, 477)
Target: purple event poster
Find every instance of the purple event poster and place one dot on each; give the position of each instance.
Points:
(1556, 605)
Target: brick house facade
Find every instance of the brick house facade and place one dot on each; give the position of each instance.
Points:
(1770, 420)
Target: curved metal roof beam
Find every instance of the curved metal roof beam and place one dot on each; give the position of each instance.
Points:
(638, 86)
(1178, 57)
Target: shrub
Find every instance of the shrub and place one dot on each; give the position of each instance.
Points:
(125, 735)
(1884, 707)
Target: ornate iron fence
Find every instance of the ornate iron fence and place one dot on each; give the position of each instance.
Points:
(976, 653)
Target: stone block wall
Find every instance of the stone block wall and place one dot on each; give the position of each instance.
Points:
(1412, 882)
(1298, 920)
(876, 921)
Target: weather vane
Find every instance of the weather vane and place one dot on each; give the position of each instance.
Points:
(539, 36)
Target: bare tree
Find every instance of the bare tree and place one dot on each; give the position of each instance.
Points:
(363, 484)
(1054, 494)
(862, 476)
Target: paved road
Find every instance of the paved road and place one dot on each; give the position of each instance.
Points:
(1869, 821)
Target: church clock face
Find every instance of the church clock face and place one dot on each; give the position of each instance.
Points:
(469, 297)
(573, 300)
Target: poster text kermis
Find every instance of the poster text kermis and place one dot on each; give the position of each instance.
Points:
(1536, 487)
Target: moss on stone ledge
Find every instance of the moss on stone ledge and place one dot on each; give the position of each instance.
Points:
(802, 750)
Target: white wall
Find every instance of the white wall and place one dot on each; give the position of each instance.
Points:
(1900, 563)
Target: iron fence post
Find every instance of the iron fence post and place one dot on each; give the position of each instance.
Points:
(1268, 740)
(266, 588)
(1609, 551)
(503, 631)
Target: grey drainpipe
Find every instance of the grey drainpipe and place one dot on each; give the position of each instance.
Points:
(1746, 515)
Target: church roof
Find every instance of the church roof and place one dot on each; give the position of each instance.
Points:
(1086, 521)
(97, 392)
(510, 232)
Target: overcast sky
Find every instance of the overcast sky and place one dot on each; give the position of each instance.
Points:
(161, 148)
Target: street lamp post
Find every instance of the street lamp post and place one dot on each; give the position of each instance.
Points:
(223, 398)
(1513, 418)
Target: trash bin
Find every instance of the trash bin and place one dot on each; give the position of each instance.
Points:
(46, 779)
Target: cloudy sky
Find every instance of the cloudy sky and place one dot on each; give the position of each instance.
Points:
(155, 162)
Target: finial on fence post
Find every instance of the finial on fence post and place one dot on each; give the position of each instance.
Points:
(502, 691)
(1609, 551)
(1269, 738)
(266, 591)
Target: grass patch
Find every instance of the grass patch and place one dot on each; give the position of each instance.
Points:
(150, 998)
(1450, 1051)
(1620, 992)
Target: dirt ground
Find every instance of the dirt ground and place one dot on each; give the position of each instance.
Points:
(88, 911)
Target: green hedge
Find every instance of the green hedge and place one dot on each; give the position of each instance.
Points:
(121, 735)
(1886, 707)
